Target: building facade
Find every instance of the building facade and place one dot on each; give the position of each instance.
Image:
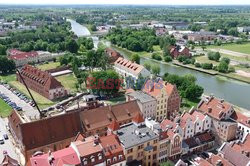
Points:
(42, 82)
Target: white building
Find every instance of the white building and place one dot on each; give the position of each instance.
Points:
(146, 103)
(128, 68)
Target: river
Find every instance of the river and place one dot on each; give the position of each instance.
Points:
(82, 31)
(235, 92)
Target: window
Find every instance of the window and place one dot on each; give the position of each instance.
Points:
(85, 162)
(155, 148)
(114, 159)
(99, 156)
(155, 141)
(108, 161)
(120, 157)
(130, 150)
(92, 159)
(154, 156)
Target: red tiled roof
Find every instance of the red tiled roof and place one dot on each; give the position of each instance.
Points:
(18, 55)
(240, 118)
(46, 131)
(132, 67)
(214, 159)
(90, 145)
(8, 161)
(154, 88)
(42, 77)
(114, 126)
(62, 157)
(138, 118)
(111, 145)
(214, 107)
(244, 146)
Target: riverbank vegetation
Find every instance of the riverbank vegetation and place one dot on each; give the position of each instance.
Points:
(133, 39)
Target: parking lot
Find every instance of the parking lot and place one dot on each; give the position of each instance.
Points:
(28, 110)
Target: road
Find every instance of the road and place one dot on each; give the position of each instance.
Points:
(232, 53)
(28, 110)
(8, 145)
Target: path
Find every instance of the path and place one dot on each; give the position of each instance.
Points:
(228, 52)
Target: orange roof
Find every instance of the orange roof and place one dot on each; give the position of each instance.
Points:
(240, 118)
(138, 118)
(214, 107)
(88, 144)
(214, 159)
(111, 145)
(114, 126)
(167, 124)
(245, 146)
(132, 67)
(153, 88)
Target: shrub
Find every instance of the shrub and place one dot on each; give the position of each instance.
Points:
(231, 69)
(207, 66)
(168, 59)
(156, 56)
(215, 56)
(197, 65)
(225, 59)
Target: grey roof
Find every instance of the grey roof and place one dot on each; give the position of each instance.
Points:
(131, 135)
(141, 96)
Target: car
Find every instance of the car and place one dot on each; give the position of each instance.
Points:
(19, 109)
(51, 108)
(1, 141)
(5, 136)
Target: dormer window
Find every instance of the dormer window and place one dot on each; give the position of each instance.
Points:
(120, 157)
(85, 162)
(114, 159)
(108, 161)
(99, 156)
(92, 159)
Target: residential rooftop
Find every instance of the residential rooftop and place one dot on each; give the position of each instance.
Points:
(135, 134)
(141, 96)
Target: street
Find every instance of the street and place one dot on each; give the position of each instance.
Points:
(8, 145)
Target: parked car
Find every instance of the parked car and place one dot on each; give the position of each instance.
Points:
(5, 136)
(1, 141)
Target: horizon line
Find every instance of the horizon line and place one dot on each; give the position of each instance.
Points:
(68, 4)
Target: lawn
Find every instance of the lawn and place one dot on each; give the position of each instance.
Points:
(243, 48)
(186, 104)
(41, 101)
(204, 59)
(8, 78)
(50, 65)
(5, 109)
(116, 100)
(68, 81)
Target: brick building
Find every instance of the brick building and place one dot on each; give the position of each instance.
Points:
(167, 97)
(175, 51)
(42, 82)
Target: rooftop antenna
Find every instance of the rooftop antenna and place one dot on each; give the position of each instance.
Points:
(40, 112)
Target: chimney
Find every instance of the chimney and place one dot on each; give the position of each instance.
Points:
(96, 140)
(209, 109)
(248, 121)
(218, 163)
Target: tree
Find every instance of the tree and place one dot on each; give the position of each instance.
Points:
(71, 46)
(93, 27)
(203, 47)
(156, 70)
(3, 49)
(135, 58)
(223, 67)
(6, 65)
(193, 91)
(156, 56)
(147, 65)
(225, 59)
(215, 56)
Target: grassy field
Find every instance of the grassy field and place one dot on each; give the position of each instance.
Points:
(68, 81)
(5, 109)
(41, 101)
(204, 59)
(50, 65)
(243, 48)
(116, 100)
(8, 78)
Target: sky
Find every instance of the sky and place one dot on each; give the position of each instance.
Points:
(151, 2)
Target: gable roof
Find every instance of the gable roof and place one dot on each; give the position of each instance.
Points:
(62, 157)
(214, 107)
(241, 118)
(19, 55)
(107, 114)
(8, 161)
(129, 66)
(46, 131)
(41, 77)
